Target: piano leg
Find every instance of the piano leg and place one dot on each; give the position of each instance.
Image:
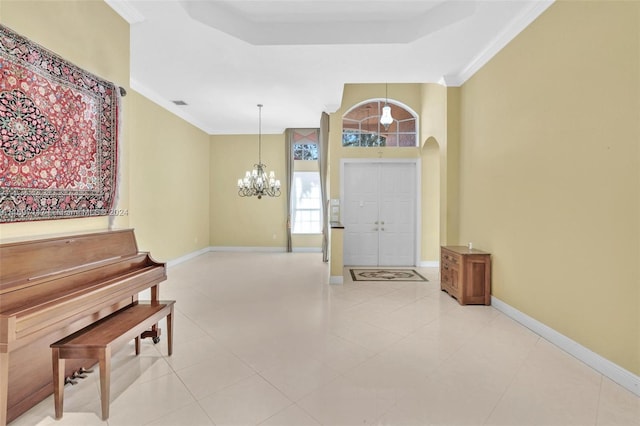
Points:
(58, 382)
(4, 387)
(155, 296)
(104, 359)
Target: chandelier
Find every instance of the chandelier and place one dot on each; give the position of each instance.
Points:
(257, 183)
(386, 119)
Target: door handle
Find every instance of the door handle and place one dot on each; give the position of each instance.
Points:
(382, 223)
(375, 223)
(382, 229)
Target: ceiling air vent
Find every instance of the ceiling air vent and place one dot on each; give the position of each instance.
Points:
(180, 103)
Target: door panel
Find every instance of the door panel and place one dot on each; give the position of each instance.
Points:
(360, 214)
(379, 214)
(397, 211)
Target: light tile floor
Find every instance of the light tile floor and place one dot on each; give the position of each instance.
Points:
(262, 339)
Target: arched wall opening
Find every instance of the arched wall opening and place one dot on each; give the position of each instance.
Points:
(430, 246)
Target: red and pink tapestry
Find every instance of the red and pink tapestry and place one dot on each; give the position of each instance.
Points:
(58, 135)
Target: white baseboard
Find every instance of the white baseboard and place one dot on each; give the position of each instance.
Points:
(307, 249)
(190, 256)
(174, 262)
(607, 368)
(429, 264)
(249, 249)
(336, 279)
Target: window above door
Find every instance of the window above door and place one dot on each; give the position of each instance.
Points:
(361, 126)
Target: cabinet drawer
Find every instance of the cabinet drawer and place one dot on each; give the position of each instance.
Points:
(450, 266)
(451, 258)
(445, 275)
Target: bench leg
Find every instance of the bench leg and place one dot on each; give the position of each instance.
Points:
(170, 331)
(4, 387)
(137, 345)
(58, 382)
(105, 380)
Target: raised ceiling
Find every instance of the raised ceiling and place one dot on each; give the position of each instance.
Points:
(222, 57)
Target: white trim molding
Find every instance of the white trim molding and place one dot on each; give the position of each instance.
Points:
(307, 249)
(336, 279)
(521, 22)
(126, 10)
(249, 249)
(154, 97)
(189, 256)
(179, 260)
(429, 264)
(602, 365)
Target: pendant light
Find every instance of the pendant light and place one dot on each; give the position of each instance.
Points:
(257, 183)
(386, 119)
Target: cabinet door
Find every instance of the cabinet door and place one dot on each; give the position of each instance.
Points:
(445, 276)
(477, 280)
(455, 283)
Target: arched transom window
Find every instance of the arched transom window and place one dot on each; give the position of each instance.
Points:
(361, 126)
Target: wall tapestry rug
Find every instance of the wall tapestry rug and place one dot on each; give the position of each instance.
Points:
(58, 135)
(386, 275)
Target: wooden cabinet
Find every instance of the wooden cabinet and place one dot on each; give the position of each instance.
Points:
(465, 274)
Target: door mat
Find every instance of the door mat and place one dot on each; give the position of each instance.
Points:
(386, 275)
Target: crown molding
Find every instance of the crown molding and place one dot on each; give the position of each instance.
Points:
(523, 20)
(169, 106)
(125, 10)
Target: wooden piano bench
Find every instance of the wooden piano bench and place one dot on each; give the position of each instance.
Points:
(100, 339)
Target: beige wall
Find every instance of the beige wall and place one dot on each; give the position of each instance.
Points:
(549, 173)
(249, 222)
(450, 195)
(164, 162)
(246, 222)
(433, 143)
(169, 181)
(431, 185)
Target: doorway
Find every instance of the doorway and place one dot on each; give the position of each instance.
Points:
(379, 200)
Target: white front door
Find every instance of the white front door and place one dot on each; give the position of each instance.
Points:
(379, 214)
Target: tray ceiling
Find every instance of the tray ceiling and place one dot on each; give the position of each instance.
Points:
(223, 57)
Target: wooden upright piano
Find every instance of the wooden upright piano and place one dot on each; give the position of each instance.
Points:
(51, 288)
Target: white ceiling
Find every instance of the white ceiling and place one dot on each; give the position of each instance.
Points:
(223, 57)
